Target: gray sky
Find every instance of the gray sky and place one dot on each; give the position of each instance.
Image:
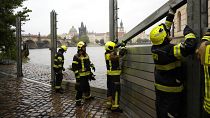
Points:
(94, 14)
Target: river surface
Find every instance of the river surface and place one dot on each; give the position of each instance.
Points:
(96, 54)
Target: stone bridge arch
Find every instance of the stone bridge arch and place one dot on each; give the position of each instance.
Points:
(59, 43)
(31, 44)
(46, 43)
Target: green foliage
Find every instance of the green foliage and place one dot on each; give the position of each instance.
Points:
(84, 38)
(97, 41)
(74, 40)
(8, 22)
(102, 42)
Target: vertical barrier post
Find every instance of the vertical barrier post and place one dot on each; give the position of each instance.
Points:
(18, 45)
(53, 32)
(197, 19)
(111, 20)
(115, 20)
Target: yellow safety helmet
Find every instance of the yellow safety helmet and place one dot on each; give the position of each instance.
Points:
(109, 46)
(64, 48)
(158, 34)
(80, 45)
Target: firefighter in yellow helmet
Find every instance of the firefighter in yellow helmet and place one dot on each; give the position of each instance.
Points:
(58, 68)
(203, 53)
(112, 58)
(168, 73)
(81, 66)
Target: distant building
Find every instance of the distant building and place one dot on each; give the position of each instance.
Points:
(121, 31)
(72, 32)
(105, 36)
(82, 30)
(68, 36)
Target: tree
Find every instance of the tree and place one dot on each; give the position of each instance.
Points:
(102, 42)
(8, 22)
(84, 38)
(74, 39)
(97, 41)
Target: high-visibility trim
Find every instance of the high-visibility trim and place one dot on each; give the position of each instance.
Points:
(207, 82)
(57, 66)
(82, 62)
(107, 56)
(77, 76)
(169, 66)
(110, 65)
(177, 51)
(169, 89)
(206, 38)
(75, 62)
(78, 100)
(168, 24)
(207, 55)
(57, 87)
(84, 73)
(108, 103)
(76, 71)
(87, 97)
(55, 60)
(190, 35)
(116, 100)
(206, 106)
(60, 58)
(113, 72)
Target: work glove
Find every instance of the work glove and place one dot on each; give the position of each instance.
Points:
(200, 51)
(93, 67)
(92, 76)
(123, 44)
(171, 11)
(64, 69)
(207, 32)
(187, 30)
(123, 51)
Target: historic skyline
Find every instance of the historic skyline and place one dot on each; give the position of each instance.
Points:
(94, 13)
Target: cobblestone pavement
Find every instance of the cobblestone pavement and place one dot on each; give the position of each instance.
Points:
(24, 98)
(41, 73)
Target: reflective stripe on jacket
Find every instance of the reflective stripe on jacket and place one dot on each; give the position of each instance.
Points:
(206, 103)
(81, 65)
(113, 65)
(166, 56)
(58, 60)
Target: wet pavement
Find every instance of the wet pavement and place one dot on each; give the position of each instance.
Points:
(41, 73)
(33, 97)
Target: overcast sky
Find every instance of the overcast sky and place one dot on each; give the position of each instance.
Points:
(94, 14)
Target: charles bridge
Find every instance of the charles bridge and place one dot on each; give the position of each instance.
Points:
(38, 41)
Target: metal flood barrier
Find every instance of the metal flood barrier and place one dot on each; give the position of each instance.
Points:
(137, 90)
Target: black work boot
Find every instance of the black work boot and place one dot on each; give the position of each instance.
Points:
(59, 91)
(117, 110)
(90, 98)
(78, 103)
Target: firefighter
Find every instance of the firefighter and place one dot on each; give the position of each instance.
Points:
(58, 68)
(168, 73)
(113, 75)
(203, 54)
(81, 66)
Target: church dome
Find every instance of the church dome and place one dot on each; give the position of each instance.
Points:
(72, 30)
